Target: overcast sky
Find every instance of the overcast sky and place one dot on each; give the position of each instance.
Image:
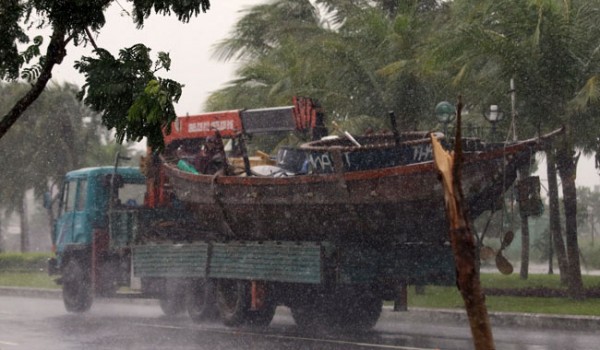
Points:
(189, 44)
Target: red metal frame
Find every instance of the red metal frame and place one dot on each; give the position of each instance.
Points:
(203, 125)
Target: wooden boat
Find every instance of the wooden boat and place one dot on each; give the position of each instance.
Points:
(386, 190)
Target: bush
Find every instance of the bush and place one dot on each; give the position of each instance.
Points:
(23, 262)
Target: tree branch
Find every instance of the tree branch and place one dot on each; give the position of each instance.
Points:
(54, 55)
(89, 35)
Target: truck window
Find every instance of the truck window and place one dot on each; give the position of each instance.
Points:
(68, 199)
(82, 195)
(132, 195)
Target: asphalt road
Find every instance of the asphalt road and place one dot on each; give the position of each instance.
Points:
(36, 323)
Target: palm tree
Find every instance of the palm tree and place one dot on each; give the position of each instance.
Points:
(549, 48)
(357, 59)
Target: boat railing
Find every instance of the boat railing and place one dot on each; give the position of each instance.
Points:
(367, 142)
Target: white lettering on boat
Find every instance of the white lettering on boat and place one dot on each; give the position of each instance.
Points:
(422, 153)
(324, 162)
(320, 161)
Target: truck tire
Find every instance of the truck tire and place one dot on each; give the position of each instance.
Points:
(201, 302)
(306, 316)
(172, 300)
(264, 316)
(349, 309)
(76, 287)
(310, 311)
(358, 311)
(233, 300)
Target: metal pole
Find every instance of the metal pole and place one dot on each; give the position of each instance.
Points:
(513, 104)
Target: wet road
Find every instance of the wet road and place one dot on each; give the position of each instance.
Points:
(30, 323)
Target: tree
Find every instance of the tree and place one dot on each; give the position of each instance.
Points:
(549, 48)
(54, 135)
(359, 58)
(146, 105)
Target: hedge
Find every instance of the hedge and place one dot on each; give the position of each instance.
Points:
(23, 262)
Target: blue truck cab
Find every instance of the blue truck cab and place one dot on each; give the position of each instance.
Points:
(85, 200)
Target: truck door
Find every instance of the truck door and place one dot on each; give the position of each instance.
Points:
(71, 222)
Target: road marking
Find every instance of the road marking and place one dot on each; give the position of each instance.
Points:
(286, 337)
(8, 343)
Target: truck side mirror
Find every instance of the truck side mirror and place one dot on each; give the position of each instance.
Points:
(47, 200)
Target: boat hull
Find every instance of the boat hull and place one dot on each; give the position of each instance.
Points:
(396, 204)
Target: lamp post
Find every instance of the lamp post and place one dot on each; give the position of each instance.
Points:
(493, 115)
(445, 112)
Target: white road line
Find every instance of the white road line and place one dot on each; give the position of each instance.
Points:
(332, 341)
(8, 343)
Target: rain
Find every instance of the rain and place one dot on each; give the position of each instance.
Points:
(308, 174)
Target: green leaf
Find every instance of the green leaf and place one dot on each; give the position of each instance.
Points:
(132, 99)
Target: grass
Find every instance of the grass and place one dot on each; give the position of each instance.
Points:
(27, 279)
(449, 297)
(434, 297)
(496, 280)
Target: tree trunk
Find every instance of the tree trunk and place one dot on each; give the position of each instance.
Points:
(525, 241)
(524, 272)
(554, 213)
(24, 225)
(567, 169)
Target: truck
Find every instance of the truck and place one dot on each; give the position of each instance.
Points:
(120, 226)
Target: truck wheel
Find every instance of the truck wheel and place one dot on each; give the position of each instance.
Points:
(201, 302)
(233, 299)
(77, 287)
(309, 311)
(348, 310)
(359, 310)
(264, 316)
(172, 301)
(306, 316)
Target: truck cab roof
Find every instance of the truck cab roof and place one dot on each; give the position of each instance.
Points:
(129, 173)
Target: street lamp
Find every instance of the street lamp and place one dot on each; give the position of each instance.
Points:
(493, 115)
(445, 113)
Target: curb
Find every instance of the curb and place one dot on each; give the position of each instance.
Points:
(500, 319)
(419, 315)
(46, 293)
(51, 293)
